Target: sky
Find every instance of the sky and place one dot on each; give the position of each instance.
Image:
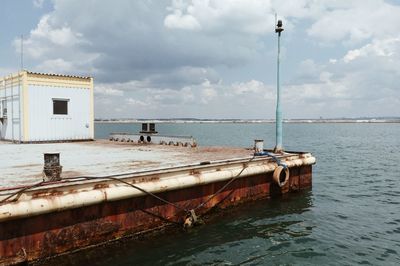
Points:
(214, 58)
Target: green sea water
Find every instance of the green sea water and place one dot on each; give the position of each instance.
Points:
(350, 216)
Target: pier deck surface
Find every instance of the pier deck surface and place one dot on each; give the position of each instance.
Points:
(23, 164)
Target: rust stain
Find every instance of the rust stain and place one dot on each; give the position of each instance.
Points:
(194, 172)
(150, 178)
(71, 191)
(153, 178)
(100, 186)
(105, 195)
(54, 233)
(50, 193)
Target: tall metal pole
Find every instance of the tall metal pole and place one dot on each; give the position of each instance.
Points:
(278, 118)
(19, 89)
(22, 51)
(12, 108)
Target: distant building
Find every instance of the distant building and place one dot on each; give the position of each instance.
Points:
(38, 107)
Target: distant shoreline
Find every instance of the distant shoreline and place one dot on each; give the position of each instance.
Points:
(249, 121)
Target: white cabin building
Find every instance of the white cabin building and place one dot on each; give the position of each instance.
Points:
(38, 107)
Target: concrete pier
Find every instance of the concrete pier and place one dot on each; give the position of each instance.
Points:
(112, 190)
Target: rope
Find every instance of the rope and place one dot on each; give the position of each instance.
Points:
(189, 212)
(160, 217)
(95, 178)
(20, 191)
(144, 191)
(29, 187)
(224, 186)
(276, 159)
(136, 187)
(111, 178)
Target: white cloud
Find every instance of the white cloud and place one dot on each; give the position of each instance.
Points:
(205, 99)
(252, 86)
(58, 64)
(208, 94)
(179, 21)
(187, 95)
(355, 21)
(132, 38)
(135, 102)
(351, 55)
(362, 83)
(160, 58)
(38, 3)
(57, 49)
(45, 37)
(106, 89)
(385, 47)
(255, 17)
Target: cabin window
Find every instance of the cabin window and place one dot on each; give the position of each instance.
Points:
(60, 106)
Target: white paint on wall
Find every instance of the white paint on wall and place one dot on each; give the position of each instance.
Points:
(45, 126)
(28, 98)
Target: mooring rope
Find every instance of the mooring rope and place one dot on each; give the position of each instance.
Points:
(188, 212)
(111, 178)
(21, 191)
(132, 185)
(224, 186)
(276, 159)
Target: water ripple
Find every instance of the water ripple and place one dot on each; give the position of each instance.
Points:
(351, 215)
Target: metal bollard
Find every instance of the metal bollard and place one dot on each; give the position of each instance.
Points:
(52, 168)
(258, 145)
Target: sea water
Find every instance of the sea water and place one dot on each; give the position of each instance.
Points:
(350, 216)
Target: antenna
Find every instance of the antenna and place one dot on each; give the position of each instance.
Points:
(22, 52)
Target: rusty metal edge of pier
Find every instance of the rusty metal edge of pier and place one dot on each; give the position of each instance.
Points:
(63, 217)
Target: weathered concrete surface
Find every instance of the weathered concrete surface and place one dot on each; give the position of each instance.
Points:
(23, 164)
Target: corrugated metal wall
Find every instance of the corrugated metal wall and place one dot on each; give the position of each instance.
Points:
(45, 126)
(10, 92)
